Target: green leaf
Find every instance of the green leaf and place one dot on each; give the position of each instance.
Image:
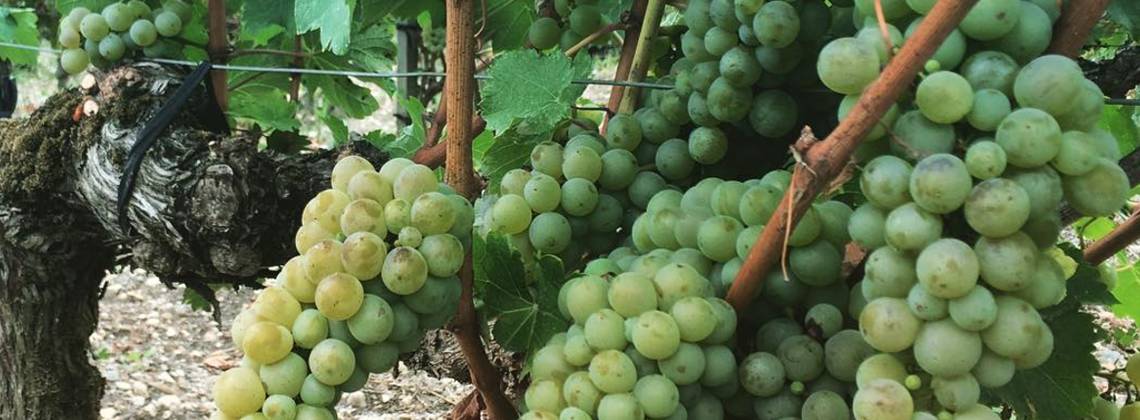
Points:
(1062, 387)
(507, 151)
(1094, 228)
(1085, 286)
(409, 139)
(258, 15)
(379, 139)
(195, 300)
(261, 37)
(531, 90)
(18, 27)
(64, 6)
(332, 17)
(1117, 119)
(1127, 290)
(1127, 14)
(356, 101)
(479, 146)
(507, 22)
(526, 318)
(337, 127)
(268, 109)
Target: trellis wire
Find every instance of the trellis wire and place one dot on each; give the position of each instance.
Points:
(398, 75)
(342, 73)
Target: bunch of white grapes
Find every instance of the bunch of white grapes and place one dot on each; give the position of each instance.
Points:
(648, 342)
(576, 197)
(718, 221)
(742, 58)
(122, 27)
(960, 234)
(379, 254)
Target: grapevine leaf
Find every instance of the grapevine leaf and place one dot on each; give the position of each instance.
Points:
(196, 301)
(370, 50)
(508, 22)
(1128, 291)
(1085, 286)
(526, 318)
(355, 101)
(410, 138)
(1117, 119)
(337, 127)
(64, 6)
(259, 15)
(266, 108)
(195, 33)
(1126, 13)
(531, 90)
(1060, 389)
(18, 28)
(331, 17)
(507, 151)
(261, 37)
(410, 9)
(479, 146)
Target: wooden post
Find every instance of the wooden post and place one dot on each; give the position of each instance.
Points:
(459, 57)
(216, 48)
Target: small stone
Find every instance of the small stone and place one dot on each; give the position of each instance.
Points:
(108, 413)
(356, 399)
(168, 402)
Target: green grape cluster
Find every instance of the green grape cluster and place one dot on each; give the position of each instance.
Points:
(648, 342)
(119, 30)
(744, 65)
(379, 254)
(719, 221)
(573, 22)
(961, 235)
(575, 198)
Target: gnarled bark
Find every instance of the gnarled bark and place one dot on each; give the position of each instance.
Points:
(206, 209)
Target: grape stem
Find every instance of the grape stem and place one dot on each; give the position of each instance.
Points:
(1119, 238)
(883, 31)
(459, 58)
(1073, 28)
(589, 39)
(642, 55)
(628, 49)
(827, 158)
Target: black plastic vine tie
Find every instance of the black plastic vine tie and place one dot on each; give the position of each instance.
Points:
(149, 135)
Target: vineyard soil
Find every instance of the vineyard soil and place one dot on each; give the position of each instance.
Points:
(159, 357)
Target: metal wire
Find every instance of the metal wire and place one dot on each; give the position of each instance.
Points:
(342, 73)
